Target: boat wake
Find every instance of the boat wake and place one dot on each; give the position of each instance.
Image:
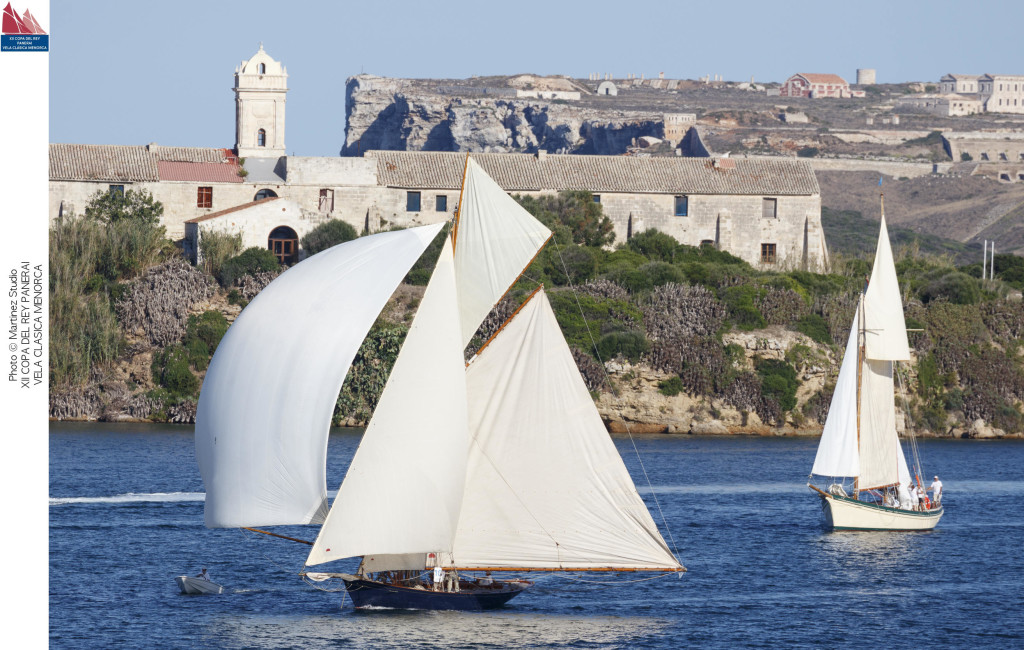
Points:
(132, 497)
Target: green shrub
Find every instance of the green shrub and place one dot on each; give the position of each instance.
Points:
(654, 245)
(421, 271)
(328, 234)
(251, 261)
(778, 382)
(671, 387)
(631, 345)
(575, 211)
(235, 297)
(956, 287)
(815, 327)
(739, 301)
(217, 248)
(171, 370)
(208, 327)
(580, 263)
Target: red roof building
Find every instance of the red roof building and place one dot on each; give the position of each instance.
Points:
(807, 84)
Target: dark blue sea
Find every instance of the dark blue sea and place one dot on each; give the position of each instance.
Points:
(126, 517)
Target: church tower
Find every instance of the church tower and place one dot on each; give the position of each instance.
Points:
(260, 87)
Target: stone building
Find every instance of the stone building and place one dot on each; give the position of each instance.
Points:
(1002, 93)
(960, 84)
(944, 105)
(1000, 152)
(766, 211)
(807, 84)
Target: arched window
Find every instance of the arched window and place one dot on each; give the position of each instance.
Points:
(284, 244)
(261, 138)
(262, 68)
(265, 194)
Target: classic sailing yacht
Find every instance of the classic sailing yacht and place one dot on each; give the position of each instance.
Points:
(501, 464)
(859, 440)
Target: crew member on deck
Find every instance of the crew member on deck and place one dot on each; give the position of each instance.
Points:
(936, 488)
(915, 498)
(204, 575)
(438, 578)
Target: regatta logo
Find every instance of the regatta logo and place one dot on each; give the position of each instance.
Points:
(22, 33)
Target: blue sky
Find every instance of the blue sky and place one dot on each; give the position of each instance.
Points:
(132, 73)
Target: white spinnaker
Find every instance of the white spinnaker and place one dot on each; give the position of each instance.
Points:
(879, 444)
(403, 491)
(545, 486)
(837, 450)
(266, 403)
(495, 241)
(886, 330)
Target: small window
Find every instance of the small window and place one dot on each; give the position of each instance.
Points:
(1002, 156)
(441, 203)
(768, 210)
(265, 194)
(984, 156)
(707, 243)
(116, 189)
(597, 198)
(261, 138)
(262, 68)
(682, 206)
(768, 253)
(412, 201)
(204, 198)
(327, 200)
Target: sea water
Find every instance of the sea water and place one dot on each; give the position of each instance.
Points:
(126, 517)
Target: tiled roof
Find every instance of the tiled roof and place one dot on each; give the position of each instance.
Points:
(816, 78)
(101, 162)
(201, 172)
(527, 172)
(129, 163)
(221, 213)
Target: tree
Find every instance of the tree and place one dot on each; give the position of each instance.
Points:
(133, 205)
(251, 261)
(575, 211)
(327, 234)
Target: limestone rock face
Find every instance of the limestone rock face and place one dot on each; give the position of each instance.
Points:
(404, 114)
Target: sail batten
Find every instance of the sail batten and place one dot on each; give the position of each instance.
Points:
(265, 408)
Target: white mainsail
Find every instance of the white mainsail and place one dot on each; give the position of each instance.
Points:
(265, 409)
(496, 238)
(879, 442)
(546, 487)
(404, 488)
(885, 329)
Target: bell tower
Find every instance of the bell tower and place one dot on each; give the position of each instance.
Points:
(260, 87)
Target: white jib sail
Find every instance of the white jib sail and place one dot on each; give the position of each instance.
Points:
(879, 443)
(496, 239)
(403, 490)
(886, 330)
(545, 486)
(837, 450)
(266, 403)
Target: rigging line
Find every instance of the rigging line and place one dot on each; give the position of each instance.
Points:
(608, 382)
(265, 556)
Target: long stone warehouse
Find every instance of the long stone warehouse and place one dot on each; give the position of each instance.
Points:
(766, 211)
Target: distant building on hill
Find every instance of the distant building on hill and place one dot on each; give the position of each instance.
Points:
(765, 211)
(807, 84)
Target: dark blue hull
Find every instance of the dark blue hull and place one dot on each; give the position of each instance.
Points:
(367, 593)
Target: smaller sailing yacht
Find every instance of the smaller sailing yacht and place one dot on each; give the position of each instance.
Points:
(859, 440)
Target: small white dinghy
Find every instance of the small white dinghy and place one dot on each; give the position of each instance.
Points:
(192, 585)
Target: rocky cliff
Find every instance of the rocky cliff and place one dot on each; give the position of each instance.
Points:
(405, 114)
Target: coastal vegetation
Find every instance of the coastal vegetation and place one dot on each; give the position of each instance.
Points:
(701, 325)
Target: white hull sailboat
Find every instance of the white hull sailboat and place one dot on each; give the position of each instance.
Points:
(860, 441)
(501, 464)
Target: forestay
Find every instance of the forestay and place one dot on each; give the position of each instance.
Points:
(545, 486)
(495, 241)
(403, 490)
(269, 393)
